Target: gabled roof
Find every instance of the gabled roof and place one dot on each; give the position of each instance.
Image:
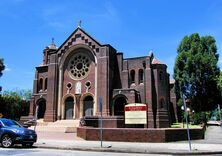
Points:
(79, 32)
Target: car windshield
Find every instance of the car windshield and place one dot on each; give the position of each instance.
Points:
(10, 123)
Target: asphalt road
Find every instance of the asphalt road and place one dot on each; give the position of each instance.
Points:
(19, 151)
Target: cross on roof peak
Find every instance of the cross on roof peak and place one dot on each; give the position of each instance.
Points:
(79, 23)
(53, 40)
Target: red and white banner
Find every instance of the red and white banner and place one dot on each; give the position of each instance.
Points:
(136, 113)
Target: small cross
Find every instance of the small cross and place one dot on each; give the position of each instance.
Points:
(53, 40)
(79, 23)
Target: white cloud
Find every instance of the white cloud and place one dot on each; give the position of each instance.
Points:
(109, 13)
(51, 17)
(7, 69)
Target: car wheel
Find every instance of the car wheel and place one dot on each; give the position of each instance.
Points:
(6, 141)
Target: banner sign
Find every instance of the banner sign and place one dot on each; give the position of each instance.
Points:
(136, 113)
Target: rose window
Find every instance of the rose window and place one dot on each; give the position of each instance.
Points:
(79, 66)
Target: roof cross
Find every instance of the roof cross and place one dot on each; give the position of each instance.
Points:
(53, 40)
(79, 23)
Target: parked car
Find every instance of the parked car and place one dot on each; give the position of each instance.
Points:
(11, 132)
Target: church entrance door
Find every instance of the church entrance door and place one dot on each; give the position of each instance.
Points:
(88, 106)
(41, 107)
(119, 105)
(69, 108)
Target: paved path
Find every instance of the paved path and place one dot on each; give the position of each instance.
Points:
(57, 136)
(213, 135)
(71, 141)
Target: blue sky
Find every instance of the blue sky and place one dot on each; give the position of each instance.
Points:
(132, 27)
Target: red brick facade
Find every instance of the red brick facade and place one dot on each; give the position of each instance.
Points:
(72, 77)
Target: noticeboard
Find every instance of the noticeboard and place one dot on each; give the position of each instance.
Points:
(136, 113)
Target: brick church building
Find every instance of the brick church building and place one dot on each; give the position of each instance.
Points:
(72, 77)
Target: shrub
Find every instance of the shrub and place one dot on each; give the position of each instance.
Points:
(200, 117)
(10, 107)
(214, 115)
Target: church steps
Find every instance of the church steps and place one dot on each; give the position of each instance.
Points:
(66, 126)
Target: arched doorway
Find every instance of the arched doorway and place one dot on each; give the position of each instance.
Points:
(88, 106)
(69, 108)
(41, 107)
(119, 105)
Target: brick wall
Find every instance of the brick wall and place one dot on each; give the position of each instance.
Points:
(139, 135)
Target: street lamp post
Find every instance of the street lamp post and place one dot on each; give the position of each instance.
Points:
(182, 108)
(193, 116)
(188, 131)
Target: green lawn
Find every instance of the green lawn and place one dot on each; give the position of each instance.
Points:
(180, 125)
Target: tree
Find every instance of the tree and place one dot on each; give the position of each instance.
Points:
(2, 67)
(21, 94)
(196, 72)
(10, 106)
(14, 104)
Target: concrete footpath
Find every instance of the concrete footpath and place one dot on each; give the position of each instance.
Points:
(69, 141)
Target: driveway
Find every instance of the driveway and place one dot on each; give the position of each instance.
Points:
(213, 135)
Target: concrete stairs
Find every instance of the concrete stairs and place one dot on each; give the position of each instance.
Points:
(65, 126)
(27, 121)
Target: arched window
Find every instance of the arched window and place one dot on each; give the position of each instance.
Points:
(46, 83)
(40, 85)
(141, 76)
(132, 76)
